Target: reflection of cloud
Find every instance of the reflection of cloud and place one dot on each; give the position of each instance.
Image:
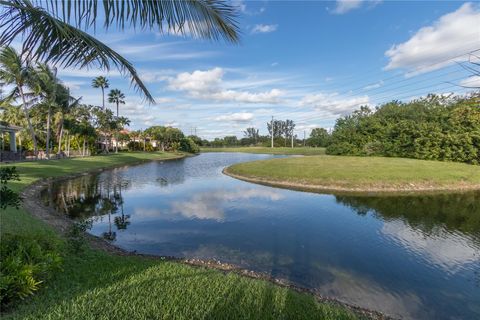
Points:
(147, 213)
(356, 289)
(450, 251)
(209, 205)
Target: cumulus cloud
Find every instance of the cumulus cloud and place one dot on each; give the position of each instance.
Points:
(444, 42)
(264, 28)
(333, 103)
(236, 117)
(209, 85)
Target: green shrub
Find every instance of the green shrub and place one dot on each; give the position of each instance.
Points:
(26, 263)
(134, 146)
(187, 145)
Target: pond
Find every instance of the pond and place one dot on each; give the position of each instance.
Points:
(410, 256)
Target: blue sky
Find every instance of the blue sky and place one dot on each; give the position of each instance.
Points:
(309, 61)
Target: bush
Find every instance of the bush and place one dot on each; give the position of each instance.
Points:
(26, 262)
(134, 146)
(342, 148)
(187, 145)
(374, 148)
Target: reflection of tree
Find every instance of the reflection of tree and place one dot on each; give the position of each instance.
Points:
(453, 211)
(93, 196)
(121, 221)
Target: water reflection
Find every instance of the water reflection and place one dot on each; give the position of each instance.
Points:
(409, 256)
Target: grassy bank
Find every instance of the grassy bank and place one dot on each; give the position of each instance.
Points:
(360, 173)
(101, 285)
(307, 151)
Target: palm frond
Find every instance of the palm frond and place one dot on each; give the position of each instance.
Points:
(207, 19)
(55, 30)
(48, 39)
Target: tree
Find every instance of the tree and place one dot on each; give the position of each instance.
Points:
(54, 31)
(14, 71)
(319, 137)
(117, 97)
(252, 134)
(102, 83)
(277, 128)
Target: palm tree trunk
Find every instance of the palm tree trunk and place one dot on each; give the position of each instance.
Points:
(103, 98)
(84, 143)
(48, 131)
(60, 138)
(30, 127)
(116, 137)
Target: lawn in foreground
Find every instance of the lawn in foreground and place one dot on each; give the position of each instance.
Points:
(266, 150)
(101, 285)
(360, 173)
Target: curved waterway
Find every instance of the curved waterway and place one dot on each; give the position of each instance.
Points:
(413, 257)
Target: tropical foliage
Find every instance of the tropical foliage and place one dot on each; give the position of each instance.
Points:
(55, 31)
(433, 128)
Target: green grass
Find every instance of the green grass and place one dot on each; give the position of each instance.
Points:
(361, 173)
(307, 151)
(100, 285)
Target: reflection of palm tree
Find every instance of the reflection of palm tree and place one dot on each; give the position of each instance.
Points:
(108, 207)
(122, 221)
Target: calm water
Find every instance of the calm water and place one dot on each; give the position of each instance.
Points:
(411, 256)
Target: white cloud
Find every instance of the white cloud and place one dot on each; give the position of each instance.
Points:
(373, 86)
(209, 205)
(209, 85)
(344, 6)
(264, 28)
(447, 250)
(236, 117)
(197, 81)
(333, 103)
(242, 7)
(471, 82)
(436, 46)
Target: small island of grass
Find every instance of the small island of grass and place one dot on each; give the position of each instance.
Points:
(306, 151)
(359, 174)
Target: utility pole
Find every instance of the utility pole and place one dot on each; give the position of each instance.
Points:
(271, 127)
(304, 138)
(292, 139)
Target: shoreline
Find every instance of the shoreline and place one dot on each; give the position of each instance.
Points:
(339, 190)
(33, 204)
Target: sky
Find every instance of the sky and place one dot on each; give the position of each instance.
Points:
(309, 61)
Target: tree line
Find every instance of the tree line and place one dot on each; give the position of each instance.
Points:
(55, 122)
(431, 128)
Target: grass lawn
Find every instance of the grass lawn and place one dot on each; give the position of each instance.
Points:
(307, 151)
(360, 173)
(101, 285)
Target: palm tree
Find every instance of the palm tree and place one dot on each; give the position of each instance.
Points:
(116, 96)
(50, 90)
(102, 83)
(14, 71)
(55, 31)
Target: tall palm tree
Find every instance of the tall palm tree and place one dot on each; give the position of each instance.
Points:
(56, 30)
(14, 71)
(51, 91)
(116, 96)
(102, 83)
